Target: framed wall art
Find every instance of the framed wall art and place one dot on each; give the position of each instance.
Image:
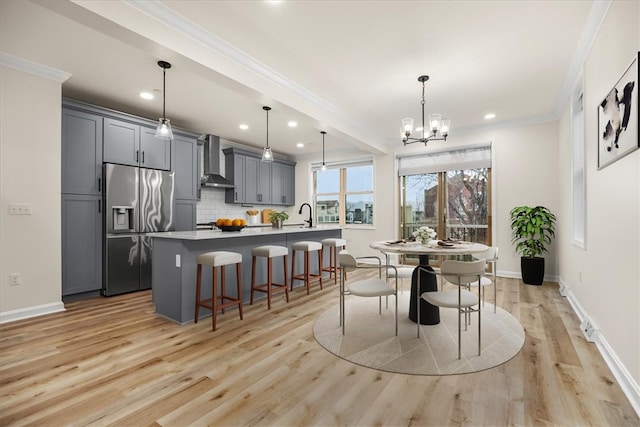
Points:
(618, 117)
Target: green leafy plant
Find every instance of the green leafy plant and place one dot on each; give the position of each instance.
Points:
(281, 216)
(532, 229)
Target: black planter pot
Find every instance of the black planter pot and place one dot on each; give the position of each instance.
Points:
(532, 270)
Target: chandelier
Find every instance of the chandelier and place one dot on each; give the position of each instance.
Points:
(436, 124)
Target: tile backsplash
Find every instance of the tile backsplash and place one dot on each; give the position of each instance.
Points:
(212, 206)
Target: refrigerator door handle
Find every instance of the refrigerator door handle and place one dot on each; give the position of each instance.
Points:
(137, 154)
(143, 157)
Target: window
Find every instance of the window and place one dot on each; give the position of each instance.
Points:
(578, 181)
(343, 194)
(454, 203)
(448, 191)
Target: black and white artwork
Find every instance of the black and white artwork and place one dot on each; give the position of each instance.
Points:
(618, 118)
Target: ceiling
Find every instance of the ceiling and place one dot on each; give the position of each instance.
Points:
(347, 67)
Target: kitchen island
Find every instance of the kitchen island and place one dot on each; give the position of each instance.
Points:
(174, 263)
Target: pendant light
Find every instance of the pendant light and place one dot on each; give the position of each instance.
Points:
(267, 155)
(324, 166)
(430, 133)
(163, 131)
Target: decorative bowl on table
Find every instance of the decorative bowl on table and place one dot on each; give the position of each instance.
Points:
(231, 227)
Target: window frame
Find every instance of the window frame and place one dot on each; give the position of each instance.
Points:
(578, 167)
(342, 194)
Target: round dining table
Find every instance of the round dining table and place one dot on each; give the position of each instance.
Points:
(429, 314)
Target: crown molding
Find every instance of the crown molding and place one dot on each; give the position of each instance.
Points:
(44, 71)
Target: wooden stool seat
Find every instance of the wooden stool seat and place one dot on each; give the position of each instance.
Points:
(269, 252)
(306, 247)
(333, 245)
(217, 302)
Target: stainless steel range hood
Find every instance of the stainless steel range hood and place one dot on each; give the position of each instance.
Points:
(212, 177)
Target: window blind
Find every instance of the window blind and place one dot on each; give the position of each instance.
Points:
(367, 161)
(471, 157)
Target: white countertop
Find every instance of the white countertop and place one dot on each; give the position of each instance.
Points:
(249, 231)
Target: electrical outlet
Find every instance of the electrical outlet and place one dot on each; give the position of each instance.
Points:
(580, 276)
(564, 290)
(588, 330)
(14, 279)
(19, 208)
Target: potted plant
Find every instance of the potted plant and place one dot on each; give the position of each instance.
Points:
(277, 218)
(531, 232)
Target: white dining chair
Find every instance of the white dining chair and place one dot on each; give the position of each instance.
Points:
(376, 287)
(460, 273)
(491, 256)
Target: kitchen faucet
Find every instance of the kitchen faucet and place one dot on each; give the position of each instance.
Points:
(310, 220)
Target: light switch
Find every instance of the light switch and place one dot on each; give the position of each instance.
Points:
(177, 260)
(19, 208)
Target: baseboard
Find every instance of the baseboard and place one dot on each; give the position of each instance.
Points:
(26, 313)
(629, 386)
(518, 275)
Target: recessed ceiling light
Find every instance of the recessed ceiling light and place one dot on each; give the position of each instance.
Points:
(146, 95)
(243, 126)
(489, 116)
(292, 124)
(299, 145)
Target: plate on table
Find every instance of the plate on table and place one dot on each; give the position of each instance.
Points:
(231, 227)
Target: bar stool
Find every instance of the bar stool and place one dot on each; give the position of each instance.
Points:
(217, 259)
(306, 275)
(333, 245)
(269, 252)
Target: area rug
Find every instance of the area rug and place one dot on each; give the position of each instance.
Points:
(370, 341)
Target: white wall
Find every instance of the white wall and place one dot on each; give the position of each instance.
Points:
(604, 279)
(30, 153)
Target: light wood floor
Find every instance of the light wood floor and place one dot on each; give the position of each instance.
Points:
(111, 361)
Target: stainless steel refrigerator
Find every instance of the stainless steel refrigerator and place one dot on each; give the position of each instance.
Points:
(137, 201)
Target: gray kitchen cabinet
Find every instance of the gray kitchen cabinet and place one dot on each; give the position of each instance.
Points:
(283, 183)
(234, 170)
(92, 135)
(81, 243)
(130, 144)
(186, 167)
(257, 181)
(81, 153)
(251, 177)
(185, 215)
(155, 152)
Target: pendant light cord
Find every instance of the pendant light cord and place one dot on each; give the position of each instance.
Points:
(323, 133)
(266, 108)
(164, 92)
(267, 128)
(423, 102)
